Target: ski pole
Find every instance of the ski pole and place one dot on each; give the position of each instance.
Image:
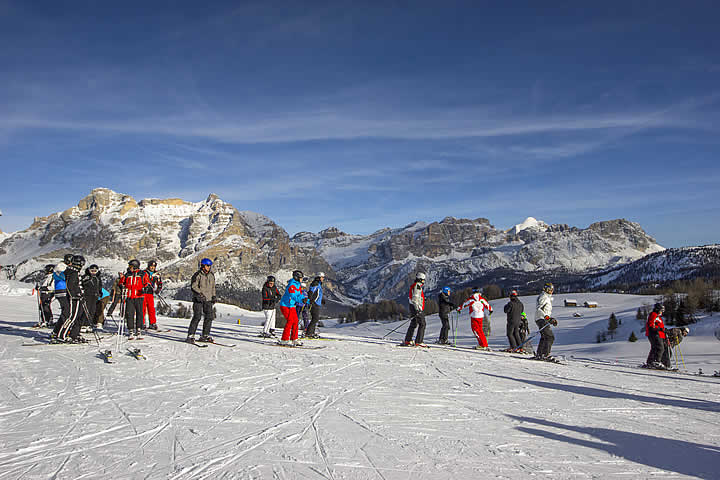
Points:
(681, 357)
(531, 337)
(395, 329)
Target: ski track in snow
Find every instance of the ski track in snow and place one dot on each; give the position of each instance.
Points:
(359, 408)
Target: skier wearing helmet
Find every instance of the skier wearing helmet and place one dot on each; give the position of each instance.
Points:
(514, 309)
(478, 306)
(316, 300)
(543, 319)
(416, 298)
(655, 331)
(202, 285)
(292, 297)
(674, 337)
(134, 281)
(155, 286)
(445, 305)
(270, 296)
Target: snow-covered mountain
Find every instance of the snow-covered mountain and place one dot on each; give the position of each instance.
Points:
(461, 251)
(662, 267)
(110, 228)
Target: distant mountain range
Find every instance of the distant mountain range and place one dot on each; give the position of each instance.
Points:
(110, 228)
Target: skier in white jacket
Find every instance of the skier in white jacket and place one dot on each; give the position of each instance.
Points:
(543, 319)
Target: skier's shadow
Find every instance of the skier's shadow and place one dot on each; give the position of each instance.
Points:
(23, 329)
(682, 402)
(685, 458)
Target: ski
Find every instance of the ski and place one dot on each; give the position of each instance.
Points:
(413, 346)
(135, 338)
(303, 347)
(219, 344)
(135, 352)
(204, 345)
(547, 360)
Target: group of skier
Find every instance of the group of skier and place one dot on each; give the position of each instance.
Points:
(480, 312)
(83, 300)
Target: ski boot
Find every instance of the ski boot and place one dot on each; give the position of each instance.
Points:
(285, 343)
(190, 339)
(297, 343)
(206, 339)
(408, 344)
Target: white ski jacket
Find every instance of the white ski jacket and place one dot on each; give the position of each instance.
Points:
(477, 306)
(544, 306)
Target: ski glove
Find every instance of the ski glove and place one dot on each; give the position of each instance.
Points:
(213, 300)
(553, 321)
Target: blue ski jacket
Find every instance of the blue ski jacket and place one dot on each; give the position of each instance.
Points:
(59, 276)
(293, 294)
(315, 292)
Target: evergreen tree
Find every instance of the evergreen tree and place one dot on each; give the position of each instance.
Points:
(612, 325)
(632, 338)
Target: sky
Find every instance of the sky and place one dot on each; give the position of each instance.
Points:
(364, 115)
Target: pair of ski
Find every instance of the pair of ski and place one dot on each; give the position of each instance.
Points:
(205, 344)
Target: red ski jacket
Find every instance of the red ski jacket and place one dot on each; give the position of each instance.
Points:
(655, 322)
(135, 282)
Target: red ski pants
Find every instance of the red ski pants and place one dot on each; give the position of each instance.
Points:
(149, 308)
(476, 324)
(291, 325)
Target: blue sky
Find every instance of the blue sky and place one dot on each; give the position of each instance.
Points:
(363, 115)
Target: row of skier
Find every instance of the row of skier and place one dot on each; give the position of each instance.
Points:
(480, 312)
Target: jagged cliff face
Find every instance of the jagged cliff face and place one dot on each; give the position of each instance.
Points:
(460, 251)
(110, 228)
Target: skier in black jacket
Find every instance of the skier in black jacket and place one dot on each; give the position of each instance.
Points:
(514, 310)
(445, 307)
(270, 297)
(91, 293)
(75, 294)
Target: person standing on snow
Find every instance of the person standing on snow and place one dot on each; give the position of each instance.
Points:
(155, 286)
(445, 306)
(416, 298)
(134, 282)
(202, 285)
(514, 310)
(46, 296)
(71, 327)
(543, 319)
(61, 293)
(270, 297)
(655, 331)
(674, 337)
(292, 297)
(316, 300)
(92, 289)
(478, 306)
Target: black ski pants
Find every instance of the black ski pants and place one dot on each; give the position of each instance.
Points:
(64, 302)
(417, 320)
(445, 329)
(314, 319)
(657, 348)
(89, 315)
(201, 309)
(513, 334)
(72, 321)
(134, 314)
(46, 309)
(547, 338)
(667, 354)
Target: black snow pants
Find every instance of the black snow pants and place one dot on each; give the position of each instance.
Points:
(417, 320)
(513, 334)
(45, 301)
(201, 309)
(657, 348)
(547, 338)
(134, 314)
(314, 319)
(89, 316)
(445, 329)
(64, 302)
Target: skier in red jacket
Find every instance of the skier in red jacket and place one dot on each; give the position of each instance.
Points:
(134, 281)
(655, 331)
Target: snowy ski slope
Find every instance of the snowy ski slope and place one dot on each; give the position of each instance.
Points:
(359, 408)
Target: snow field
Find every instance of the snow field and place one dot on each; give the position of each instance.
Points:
(360, 408)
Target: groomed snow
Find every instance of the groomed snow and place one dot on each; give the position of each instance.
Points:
(360, 408)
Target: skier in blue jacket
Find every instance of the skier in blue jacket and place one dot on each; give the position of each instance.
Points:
(292, 297)
(315, 296)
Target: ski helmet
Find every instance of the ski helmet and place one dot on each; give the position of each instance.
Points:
(206, 261)
(513, 293)
(68, 258)
(49, 268)
(297, 275)
(135, 263)
(446, 290)
(476, 289)
(549, 288)
(78, 261)
(321, 274)
(420, 276)
(685, 331)
(152, 263)
(270, 278)
(659, 307)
